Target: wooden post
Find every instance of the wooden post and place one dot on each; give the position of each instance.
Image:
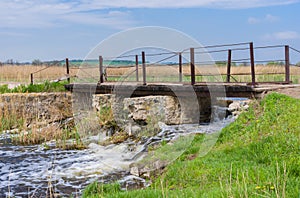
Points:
(192, 63)
(252, 63)
(144, 67)
(101, 80)
(180, 67)
(228, 66)
(287, 63)
(68, 70)
(31, 78)
(137, 68)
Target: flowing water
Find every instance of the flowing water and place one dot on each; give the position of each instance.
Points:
(33, 171)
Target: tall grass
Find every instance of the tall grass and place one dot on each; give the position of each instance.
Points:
(263, 73)
(21, 73)
(30, 121)
(256, 156)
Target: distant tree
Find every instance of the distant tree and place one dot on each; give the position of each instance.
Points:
(52, 63)
(298, 64)
(224, 63)
(36, 62)
(244, 64)
(9, 62)
(275, 63)
(221, 63)
(55, 63)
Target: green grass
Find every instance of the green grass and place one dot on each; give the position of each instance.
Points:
(256, 156)
(10, 122)
(34, 88)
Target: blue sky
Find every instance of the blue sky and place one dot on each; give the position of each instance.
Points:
(56, 29)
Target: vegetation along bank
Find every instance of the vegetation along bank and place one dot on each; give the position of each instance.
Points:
(256, 156)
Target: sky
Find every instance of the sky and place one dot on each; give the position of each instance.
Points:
(56, 29)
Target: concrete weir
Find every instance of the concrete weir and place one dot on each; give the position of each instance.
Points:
(195, 101)
(201, 90)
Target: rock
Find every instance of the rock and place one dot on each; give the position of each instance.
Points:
(246, 107)
(135, 130)
(140, 109)
(131, 182)
(149, 170)
(132, 130)
(234, 106)
(100, 101)
(135, 171)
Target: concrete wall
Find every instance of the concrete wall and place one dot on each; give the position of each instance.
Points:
(44, 108)
(163, 108)
(36, 108)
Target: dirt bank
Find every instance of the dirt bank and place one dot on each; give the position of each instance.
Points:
(293, 92)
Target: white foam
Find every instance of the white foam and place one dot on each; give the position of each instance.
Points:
(32, 166)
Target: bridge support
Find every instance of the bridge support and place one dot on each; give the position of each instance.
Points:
(101, 80)
(287, 63)
(252, 63)
(192, 63)
(180, 67)
(228, 66)
(68, 70)
(144, 67)
(137, 68)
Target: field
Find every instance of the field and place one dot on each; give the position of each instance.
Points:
(21, 74)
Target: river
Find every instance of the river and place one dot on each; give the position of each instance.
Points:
(37, 171)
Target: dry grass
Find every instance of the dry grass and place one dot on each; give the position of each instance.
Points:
(263, 73)
(21, 73)
(34, 135)
(33, 123)
(205, 70)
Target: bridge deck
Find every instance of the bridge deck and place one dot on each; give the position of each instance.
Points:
(172, 89)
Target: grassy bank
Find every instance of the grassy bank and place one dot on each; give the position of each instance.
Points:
(34, 88)
(256, 156)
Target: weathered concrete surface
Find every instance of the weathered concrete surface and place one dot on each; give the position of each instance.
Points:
(167, 89)
(163, 108)
(36, 108)
(292, 90)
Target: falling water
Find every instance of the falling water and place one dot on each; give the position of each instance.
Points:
(34, 170)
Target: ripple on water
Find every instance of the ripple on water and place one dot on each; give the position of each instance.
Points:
(27, 170)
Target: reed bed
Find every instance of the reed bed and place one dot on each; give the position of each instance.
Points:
(21, 73)
(30, 122)
(271, 73)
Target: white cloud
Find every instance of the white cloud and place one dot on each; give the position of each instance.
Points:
(115, 19)
(226, 4)
(41, 14)
(284, 35)
(49, 13)
(270, 18)
(266, 19)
